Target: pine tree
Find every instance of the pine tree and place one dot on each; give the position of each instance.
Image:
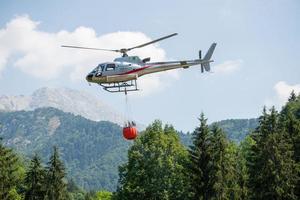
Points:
(236, 172)
(199, 155)
(8, 173)
(212, 167)
(155, 168)
(55, 181)
(272, 169)
(290, 115)
(243, 158)
(292, 125)
(292, 97)
(35, 180)
(220, 165)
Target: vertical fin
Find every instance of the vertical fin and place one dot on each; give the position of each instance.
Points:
(210, 51)
(207, 57)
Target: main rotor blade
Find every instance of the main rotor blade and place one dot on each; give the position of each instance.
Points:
(159, 39)
(77, 47)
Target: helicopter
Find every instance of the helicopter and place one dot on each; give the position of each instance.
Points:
(121, 75)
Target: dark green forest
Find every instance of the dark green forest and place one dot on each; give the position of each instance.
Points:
(91, 151)
(264, 164)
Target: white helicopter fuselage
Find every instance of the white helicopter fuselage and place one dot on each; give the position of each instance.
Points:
(131, 71)
(131, 67)
(121, 74)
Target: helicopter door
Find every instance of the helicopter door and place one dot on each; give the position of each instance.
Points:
(110, 69)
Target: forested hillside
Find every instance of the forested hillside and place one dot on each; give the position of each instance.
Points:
(265, 165)
(235, 130)
(92, 151)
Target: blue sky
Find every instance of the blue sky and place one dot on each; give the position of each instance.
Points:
(256, 60)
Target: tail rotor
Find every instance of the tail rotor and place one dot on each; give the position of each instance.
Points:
(200, 57)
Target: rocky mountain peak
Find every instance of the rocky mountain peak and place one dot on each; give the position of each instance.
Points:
(65, 99)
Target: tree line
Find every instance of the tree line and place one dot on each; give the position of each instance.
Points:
(265, 165)
(39, 181)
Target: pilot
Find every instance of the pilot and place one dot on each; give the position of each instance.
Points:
(99, 71)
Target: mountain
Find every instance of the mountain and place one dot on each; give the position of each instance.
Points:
(67, 100)
(235, 129)
(92, 151)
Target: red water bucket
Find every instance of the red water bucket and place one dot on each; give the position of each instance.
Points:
(130, 132)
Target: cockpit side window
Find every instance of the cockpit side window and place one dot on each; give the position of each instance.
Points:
(110, 67)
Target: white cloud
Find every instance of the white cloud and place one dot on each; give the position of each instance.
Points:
(282, 93)
(38, 53)
(227, 67)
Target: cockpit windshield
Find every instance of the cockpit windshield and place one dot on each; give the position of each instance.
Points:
(98, 69)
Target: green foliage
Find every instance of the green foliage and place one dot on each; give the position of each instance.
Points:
(35, 180)
(185, 138)
(218, 165)
(292, 97)
(272, 169)
(222, 175)
(75, 192)
(264, 165)
(200, 156)
(78, 195)
(213, 164)
(90, 195)
(234, 172)
(51, 183)
(155, 168)
(14, 195)
(290, 115)
(11, 173)
(244, 154)
(91, 151)
(237, 129)
(55, 182)
(103, 195)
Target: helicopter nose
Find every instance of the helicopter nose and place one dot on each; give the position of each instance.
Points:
(89, 77)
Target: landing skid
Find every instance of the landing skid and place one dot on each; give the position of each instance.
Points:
(127, 86)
